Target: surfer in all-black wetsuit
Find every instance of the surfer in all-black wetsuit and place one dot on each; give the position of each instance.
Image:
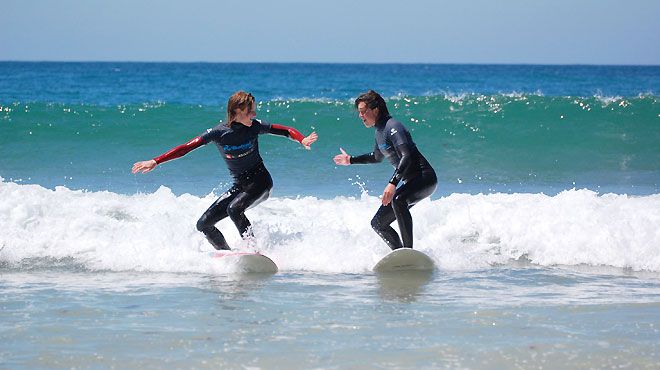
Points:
(239, 146)
(393, 141)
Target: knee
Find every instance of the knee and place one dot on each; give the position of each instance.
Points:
(234, 210)
(202, 224)
(267, 193)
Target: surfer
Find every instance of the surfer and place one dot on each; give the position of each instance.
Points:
(237, 141)
(394, 142)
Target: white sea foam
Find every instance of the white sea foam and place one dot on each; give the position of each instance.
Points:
(156, 232)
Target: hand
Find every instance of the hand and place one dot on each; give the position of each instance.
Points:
(144, 166)
(309, 140)
(388, 194)
(342, 159)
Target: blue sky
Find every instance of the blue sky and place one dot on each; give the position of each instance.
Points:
(413, 31)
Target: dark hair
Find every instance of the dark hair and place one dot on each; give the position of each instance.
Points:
(373, 100)
(240, 100)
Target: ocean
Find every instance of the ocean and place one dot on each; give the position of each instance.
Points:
(544, 226)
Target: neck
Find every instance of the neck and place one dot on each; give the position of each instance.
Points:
(382, 121)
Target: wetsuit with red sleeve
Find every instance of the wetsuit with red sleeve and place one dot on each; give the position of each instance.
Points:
(239, 146)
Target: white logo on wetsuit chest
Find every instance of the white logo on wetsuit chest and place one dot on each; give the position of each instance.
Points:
(392, 131)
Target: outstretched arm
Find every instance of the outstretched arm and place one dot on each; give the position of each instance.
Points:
(176, 152)
(144, 166)
(307, 141)
(345, 159)
(293, 134)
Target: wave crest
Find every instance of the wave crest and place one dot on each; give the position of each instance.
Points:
(156, 232)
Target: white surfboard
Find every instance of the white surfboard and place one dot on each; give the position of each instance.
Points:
(246, 261)
(404, 259)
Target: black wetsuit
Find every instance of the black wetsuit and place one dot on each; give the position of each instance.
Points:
(393, 141)
(239, 146)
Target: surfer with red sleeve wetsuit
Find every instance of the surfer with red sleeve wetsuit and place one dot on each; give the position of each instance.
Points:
(237, 141)
(394, 142)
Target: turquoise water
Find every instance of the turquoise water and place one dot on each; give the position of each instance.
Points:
(478, 143)
(543, 227)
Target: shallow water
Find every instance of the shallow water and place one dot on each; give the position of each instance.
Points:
(517, 316)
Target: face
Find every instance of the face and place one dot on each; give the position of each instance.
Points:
(367, 115)
(245, 116)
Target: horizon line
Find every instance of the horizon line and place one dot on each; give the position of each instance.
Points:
(325, 63)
